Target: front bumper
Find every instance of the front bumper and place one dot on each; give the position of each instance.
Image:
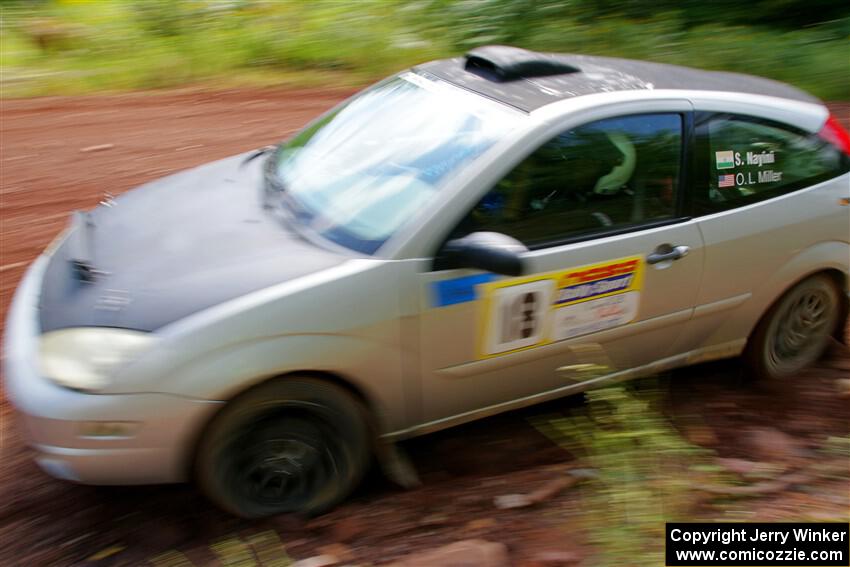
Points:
(154, 445)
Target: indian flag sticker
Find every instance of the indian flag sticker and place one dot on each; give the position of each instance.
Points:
(725, 160)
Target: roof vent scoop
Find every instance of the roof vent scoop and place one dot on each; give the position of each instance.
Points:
(504, 63)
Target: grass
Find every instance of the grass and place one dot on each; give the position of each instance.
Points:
(645, 471)
(117, 46)
(73, 46)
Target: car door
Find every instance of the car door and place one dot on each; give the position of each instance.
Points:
(612, 271)
(768, 201)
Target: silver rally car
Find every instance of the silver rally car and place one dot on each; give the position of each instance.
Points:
(469, 236)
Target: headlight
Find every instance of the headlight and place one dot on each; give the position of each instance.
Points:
(85, 358)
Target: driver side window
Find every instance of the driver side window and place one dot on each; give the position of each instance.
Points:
(606, 175)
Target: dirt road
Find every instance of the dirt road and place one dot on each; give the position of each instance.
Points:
(61, 154)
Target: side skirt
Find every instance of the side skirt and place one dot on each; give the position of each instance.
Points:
(730, 349)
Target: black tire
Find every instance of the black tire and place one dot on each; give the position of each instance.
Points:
(795, 331)
(290, 445)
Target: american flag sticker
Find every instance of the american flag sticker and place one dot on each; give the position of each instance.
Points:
(726, 180)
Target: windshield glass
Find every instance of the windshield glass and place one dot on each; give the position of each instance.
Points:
(359, 173)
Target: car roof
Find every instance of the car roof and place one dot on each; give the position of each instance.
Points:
(529, 80)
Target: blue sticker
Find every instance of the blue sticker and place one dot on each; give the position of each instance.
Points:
(457, 290)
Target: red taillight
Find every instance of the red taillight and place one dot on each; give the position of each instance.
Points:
(833, 133)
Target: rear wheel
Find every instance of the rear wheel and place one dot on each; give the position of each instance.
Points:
(289, 445)
(796, 329)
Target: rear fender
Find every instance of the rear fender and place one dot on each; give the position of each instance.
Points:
(728, 325)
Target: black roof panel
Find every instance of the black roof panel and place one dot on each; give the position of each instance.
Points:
(595, 75)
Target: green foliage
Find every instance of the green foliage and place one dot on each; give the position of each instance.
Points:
(646, 471)
(63, 46)
(837, 446)
(120, 45)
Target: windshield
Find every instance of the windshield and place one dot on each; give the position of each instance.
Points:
(362, 171)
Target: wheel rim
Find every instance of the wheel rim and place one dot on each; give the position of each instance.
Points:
(800, 330)
(284, 463)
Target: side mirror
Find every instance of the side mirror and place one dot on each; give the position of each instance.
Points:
(491, 251)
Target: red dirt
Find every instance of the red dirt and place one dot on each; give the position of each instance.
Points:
(45, 174)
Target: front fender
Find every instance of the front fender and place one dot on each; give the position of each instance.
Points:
(371, 366)
(344, 321)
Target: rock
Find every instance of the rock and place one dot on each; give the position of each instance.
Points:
(739, 466)
(340, 550)
(108, 552)
(773, 445)
(802, 424)
(552, 488)
(97, 148)
(164, 534)
(555, 558)
(584, 473)
(784, 482)
(317, 561)
(466, 553)
(474, 499)
(434, 520)
(288, 523)
(545, 492)
(347, 529)
(510, 501)
(480, 524)
(701, 435)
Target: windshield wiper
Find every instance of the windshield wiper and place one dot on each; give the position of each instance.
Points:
(272, 183)
(275, 189)
(257, 153)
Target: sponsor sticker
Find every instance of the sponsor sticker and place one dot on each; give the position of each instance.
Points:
(457, 290)
(595, 315)
(521, 313)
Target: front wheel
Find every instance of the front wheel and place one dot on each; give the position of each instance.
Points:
(290, 445)
(796, 329)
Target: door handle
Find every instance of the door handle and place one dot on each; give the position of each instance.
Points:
(666, 252)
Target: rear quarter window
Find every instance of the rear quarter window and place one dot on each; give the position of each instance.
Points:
(750, 160)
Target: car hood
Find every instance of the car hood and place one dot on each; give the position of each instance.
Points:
(174, 247)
